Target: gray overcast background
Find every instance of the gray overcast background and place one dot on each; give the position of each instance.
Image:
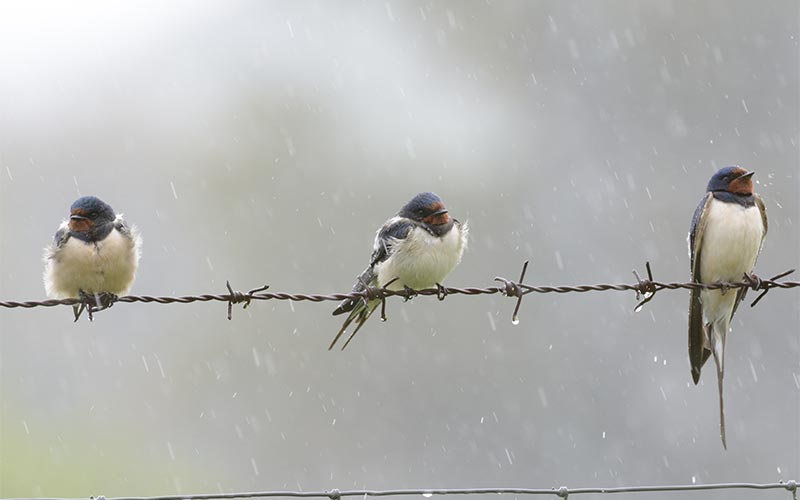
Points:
(264, 142)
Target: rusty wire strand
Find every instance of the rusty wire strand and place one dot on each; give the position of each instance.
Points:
(561, 492)
(645, 289)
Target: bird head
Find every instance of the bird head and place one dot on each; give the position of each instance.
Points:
(734, 180)
(427, 208)
(88, 213)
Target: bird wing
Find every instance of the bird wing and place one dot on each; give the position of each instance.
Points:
(61, 236)
(698, 354)
(121, 226)
(763, 210)
(130, 232)
(394, 230)
(360, 312)
(59, 239)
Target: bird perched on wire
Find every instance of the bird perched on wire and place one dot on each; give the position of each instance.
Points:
(94, 255)
(727, 233)
(415, 249)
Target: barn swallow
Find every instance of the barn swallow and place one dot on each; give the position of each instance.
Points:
(94, 253)
(727, 233)
(415, 249)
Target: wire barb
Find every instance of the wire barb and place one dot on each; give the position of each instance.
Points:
(374, 292)
(645, 288)
(759, 284)
(237, 297)
(518, 290)
(791, 487)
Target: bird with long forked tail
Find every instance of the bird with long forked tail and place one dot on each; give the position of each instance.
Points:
(727, 233)
(415, 249)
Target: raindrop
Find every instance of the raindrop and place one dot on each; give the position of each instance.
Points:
(753, 370)
(491, 321)
(542, 397)
(427, 494)
(553, 26)
(160, 367)
(559, 262)
(515, 320)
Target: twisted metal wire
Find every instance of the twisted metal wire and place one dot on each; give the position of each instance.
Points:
(561, 492)
(645, 289)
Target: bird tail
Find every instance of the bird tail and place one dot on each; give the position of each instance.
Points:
(699, 346)
(717, 336)
(346, 305)
(360, 313)
(365, 279)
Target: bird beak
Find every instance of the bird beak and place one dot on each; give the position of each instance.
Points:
(439, 212)
(78, 217)
(746, 175)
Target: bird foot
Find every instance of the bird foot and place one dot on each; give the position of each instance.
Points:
(94, 302)
(408, 293)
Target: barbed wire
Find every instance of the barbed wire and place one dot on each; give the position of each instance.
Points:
(645, 289)
(561, 492)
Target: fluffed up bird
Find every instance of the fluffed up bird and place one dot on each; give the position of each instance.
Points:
(94, 254)
(416, 248)
(727, 233)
